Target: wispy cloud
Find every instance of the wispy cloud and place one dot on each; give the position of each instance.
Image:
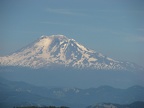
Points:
(55, 23)
(139, 38)
(128, 37)
(65, 12)
(140, 29)
(119, 11)
(134, 38)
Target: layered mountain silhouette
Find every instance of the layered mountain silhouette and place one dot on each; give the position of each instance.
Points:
(58, 50)
(14, 93)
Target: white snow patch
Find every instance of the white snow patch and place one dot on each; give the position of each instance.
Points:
(110, 59)
(81, 47)
(92, 59)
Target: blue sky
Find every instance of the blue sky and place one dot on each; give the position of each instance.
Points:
(112, 27)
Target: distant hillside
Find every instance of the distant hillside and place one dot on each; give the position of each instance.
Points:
(138, 104)
(14, 93)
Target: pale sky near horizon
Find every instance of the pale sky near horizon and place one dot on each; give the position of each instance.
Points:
(112, 27)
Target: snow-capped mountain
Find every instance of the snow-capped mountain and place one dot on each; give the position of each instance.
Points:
(59, 50)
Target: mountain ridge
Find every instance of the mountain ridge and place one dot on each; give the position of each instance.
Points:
(15, 93)
(59, 50)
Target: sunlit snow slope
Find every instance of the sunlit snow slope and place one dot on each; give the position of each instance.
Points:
(61, 51)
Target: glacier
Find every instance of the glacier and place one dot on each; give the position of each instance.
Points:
(58, 50)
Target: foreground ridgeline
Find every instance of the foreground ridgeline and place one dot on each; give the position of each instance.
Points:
(58, 50)
(41, 107)
(138, 104)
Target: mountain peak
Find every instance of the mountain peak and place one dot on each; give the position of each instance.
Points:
(47, 40)
(59, 50)
(53, 37)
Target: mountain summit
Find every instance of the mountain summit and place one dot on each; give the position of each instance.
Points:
(61, 51)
